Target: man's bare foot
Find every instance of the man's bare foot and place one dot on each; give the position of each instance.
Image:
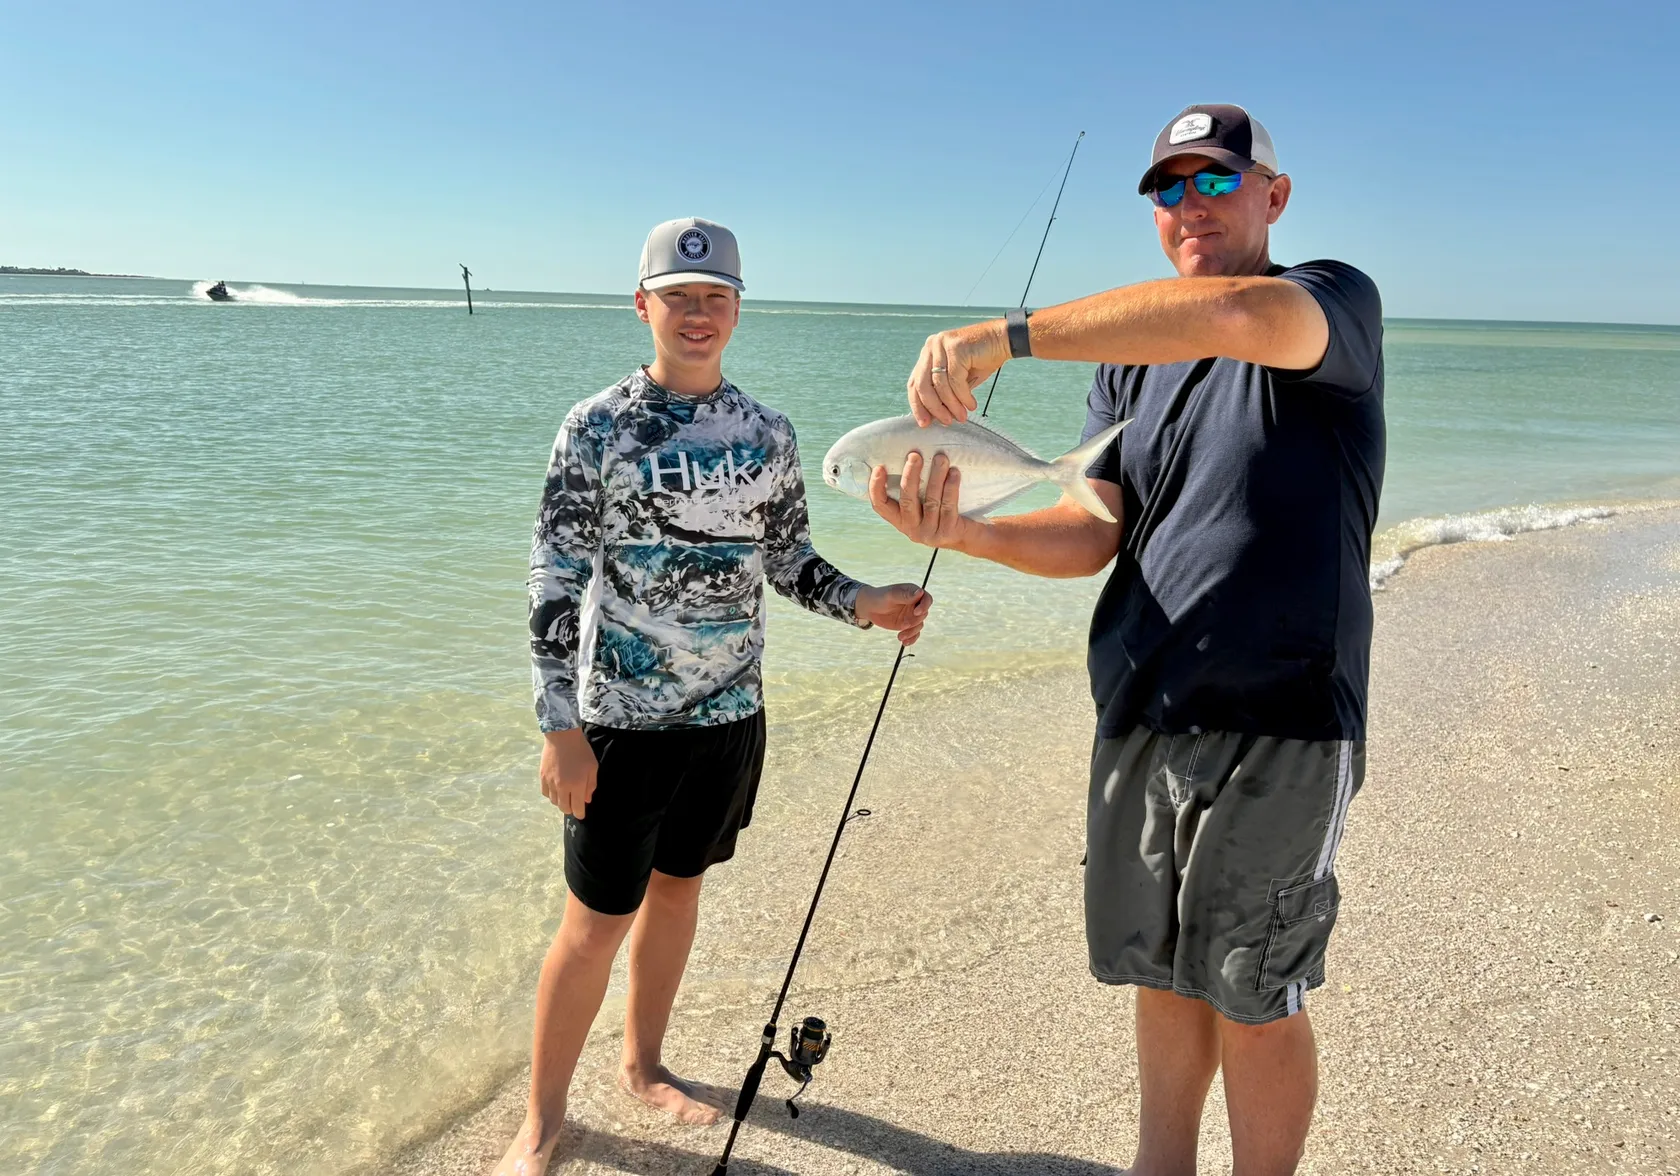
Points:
(664, 1091)
(529, 1153)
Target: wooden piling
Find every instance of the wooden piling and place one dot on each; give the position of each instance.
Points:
(466, 280)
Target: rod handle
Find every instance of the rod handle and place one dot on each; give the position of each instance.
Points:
(749, 1085)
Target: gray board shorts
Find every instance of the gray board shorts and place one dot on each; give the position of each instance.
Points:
(1210, 864)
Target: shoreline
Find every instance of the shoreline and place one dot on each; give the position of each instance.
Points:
(1393, 546)
(8, 271)
(1495, 995)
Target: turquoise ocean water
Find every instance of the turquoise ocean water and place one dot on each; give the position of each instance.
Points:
(270, 852)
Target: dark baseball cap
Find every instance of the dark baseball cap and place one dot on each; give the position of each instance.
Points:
(1225, 134)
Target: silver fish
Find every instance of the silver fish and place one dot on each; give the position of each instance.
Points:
(994, 468)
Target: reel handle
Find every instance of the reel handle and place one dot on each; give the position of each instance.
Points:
(793, 1108)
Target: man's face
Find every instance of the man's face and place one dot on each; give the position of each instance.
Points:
(1205, 236)
(691, 322)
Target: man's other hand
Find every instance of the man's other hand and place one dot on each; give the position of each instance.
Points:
(951, 366)
(931, 519)
(901, 607)
(568, 770)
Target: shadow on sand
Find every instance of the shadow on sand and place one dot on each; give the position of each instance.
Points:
(835, 1128)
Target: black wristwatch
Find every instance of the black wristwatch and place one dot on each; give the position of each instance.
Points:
(1020, 341)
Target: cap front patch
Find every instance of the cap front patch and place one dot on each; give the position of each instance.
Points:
(694, 245)
(1191, 126)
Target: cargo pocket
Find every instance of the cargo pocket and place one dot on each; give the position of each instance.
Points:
(1302, 918)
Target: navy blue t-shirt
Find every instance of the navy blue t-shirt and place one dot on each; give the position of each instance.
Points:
(1241, 599)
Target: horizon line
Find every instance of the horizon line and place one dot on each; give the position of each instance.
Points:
(44, 272)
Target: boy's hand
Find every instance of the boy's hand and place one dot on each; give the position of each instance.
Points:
(568, 770)
(903, 607)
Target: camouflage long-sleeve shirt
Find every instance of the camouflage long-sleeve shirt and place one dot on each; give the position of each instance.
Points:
(661, 518)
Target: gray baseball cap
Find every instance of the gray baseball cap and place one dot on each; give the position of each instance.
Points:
(690, 250)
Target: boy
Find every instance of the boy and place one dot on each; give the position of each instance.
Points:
(670, 497)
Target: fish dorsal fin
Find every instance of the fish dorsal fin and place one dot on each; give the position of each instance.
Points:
(985, 424)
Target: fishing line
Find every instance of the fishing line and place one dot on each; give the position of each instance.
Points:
(809, 1041)
(970, 295)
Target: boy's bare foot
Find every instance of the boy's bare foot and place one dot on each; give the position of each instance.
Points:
(664, 1091)
(529, 1153)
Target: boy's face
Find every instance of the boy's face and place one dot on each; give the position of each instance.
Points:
(691, 322)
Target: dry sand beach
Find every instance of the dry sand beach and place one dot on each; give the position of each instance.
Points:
(1503, 991)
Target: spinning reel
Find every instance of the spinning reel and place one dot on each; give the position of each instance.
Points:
(808, 1044)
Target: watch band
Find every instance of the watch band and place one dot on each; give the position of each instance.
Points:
(1020, 341)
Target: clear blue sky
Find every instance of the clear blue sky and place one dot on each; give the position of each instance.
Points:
(1499, 161)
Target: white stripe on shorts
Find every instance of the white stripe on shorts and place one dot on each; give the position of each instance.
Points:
(1338, 811)
(1292, 996)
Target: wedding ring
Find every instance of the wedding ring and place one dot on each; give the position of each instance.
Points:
(938, 369)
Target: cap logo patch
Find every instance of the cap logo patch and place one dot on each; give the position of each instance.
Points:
(694, 245)
(1191, 126)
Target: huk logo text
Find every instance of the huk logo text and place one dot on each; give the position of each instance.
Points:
(689, 475)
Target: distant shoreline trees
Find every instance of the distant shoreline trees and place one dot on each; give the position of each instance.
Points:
(39, 271)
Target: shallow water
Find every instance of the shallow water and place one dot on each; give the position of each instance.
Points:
(274, 876)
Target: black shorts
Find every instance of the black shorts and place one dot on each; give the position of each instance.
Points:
(669, 800)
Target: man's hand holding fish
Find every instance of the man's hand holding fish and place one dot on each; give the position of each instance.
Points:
(933, 519)
(952, 364)
(1064, 540)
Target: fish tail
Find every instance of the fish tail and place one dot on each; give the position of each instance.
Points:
(1068, 471)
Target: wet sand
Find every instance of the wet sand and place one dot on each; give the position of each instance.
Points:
(1500, 998)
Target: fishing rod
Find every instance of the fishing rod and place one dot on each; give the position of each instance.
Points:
(809, 1041)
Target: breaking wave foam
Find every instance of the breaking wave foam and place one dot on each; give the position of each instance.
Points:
(1395, 545)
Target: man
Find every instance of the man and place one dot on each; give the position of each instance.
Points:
(1230, 650)
(670, 498)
